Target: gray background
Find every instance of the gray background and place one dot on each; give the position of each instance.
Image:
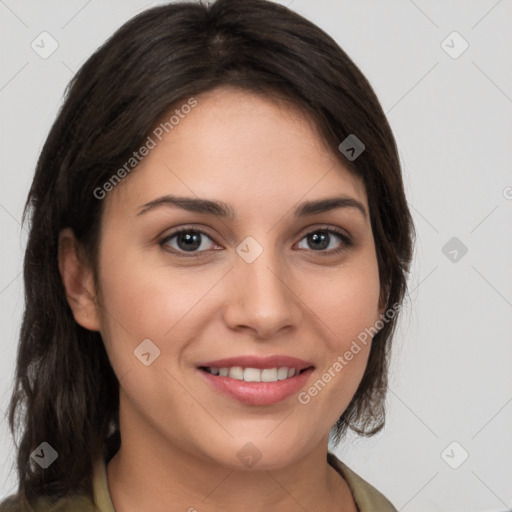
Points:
(452, 118)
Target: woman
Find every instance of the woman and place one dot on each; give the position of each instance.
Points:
(218, 251)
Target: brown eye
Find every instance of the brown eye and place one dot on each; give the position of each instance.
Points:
(187, 240)
(321, 239)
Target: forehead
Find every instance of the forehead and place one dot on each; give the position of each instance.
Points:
(240, 148)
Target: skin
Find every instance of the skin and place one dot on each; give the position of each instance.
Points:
(180, 437)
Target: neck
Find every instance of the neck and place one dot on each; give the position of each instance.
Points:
(151, 472)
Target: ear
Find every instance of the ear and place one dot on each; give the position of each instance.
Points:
(78, 282)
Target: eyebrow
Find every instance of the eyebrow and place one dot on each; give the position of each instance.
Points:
(223, 210)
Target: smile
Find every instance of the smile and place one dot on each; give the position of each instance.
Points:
(254, 374)
(255, 386)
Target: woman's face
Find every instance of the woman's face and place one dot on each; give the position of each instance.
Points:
(271, 279)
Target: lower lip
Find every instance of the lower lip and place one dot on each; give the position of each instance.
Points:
(258, 393)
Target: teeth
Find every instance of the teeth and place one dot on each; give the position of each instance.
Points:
(237, 372)
(282, 373)
(254, 374)
(269, 375)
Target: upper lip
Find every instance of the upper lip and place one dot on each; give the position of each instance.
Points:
(276, 361)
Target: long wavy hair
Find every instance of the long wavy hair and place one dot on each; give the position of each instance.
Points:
(65, 392)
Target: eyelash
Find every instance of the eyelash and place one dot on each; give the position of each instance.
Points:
(346, 241)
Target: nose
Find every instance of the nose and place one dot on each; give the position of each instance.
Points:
(263, 299)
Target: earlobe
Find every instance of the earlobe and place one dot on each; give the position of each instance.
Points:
(382, 309)
(382, 303)
(78, 282)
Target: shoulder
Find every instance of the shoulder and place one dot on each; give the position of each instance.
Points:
(77, 503)
(80, 501)
(367, 497)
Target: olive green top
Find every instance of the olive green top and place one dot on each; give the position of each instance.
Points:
(367, 498)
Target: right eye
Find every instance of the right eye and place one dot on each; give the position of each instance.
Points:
(187, 241)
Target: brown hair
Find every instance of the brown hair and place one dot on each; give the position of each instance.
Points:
(65, 391)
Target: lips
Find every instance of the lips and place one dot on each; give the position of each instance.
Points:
(257, 393)
(260, 362)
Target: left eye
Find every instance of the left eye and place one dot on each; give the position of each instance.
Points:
(322, 238)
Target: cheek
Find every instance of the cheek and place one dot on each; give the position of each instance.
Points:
(347, 305)
(149, 302)
(347, 302)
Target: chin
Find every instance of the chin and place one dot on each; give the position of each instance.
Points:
(259, 454)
